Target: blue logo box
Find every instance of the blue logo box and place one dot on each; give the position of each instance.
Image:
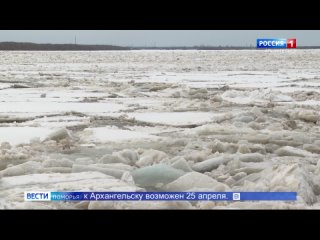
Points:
(271, 43)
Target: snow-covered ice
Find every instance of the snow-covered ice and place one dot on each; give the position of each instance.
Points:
(236, 120)
(19, 135)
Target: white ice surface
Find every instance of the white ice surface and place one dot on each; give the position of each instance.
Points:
(52, 107)
(174, 118)
(246, 97)
(18, 135)
(106, 134)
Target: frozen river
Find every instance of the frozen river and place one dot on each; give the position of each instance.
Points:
(234, 120)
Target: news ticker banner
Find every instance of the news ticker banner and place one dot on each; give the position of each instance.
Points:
(160, 196)
(276, 43)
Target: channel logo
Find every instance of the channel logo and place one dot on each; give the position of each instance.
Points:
(37, 196)
(277, 43)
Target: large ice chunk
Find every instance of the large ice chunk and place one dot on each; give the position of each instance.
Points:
(195, 180)
(151, 157)
(156, 175)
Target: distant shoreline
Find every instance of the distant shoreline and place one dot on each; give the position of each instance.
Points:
(25, 46)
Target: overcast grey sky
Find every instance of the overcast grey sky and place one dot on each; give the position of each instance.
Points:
(159, 37)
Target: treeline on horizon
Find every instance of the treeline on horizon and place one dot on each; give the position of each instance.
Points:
(23, 46)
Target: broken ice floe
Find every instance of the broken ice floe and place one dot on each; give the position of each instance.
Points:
(199, 123)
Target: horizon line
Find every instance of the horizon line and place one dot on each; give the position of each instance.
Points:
(150, 47)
